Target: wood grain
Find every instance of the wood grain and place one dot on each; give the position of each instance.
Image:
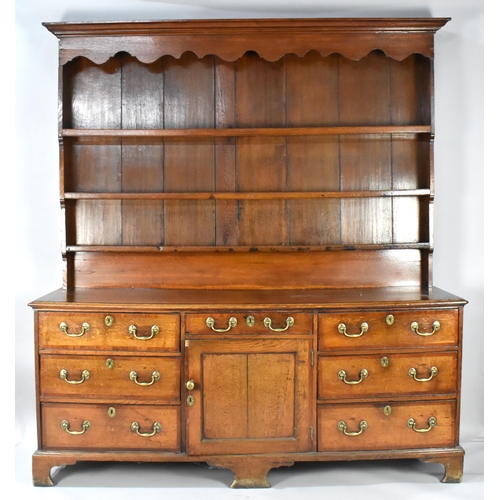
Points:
(230, 39)
(302, 323)
(110, 383)
(230, 378)
(380, 334)
(117, 336)
(386, 432)
(110, 433)
(391, 380)
(253, 169)
(253, 270)
(142, 161)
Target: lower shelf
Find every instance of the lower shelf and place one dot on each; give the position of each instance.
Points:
(250, 471)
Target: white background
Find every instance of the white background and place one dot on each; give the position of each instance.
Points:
(458, 222)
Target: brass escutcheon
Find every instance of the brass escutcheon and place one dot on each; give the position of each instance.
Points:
(387, 410)
(109, 363)
(108, 320)
(190, 400)
(384, 361)
(389, 319)
(111, 411)
(250, 321)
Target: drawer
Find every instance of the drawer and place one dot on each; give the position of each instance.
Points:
(388, 426)
(127, 331)
(372, 329)
(376, 375)
(241, 323)
(110, 427)
(110, 377)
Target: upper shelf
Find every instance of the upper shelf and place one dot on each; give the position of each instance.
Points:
(248, 132)
(230, 39)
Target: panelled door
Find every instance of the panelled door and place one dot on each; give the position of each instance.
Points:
(249, 396)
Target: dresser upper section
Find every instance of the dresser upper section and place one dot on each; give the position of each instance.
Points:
(247, 154)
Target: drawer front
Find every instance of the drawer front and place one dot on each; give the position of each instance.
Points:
(110, 377)
(242, 323)
(376, 375)
(110, 427)
(386, 429)
(371, 329)
(138, 332)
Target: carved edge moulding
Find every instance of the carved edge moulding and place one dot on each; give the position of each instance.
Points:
(148, 41)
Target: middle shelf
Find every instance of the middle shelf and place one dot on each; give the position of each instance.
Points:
(248, 131)
(264, 195)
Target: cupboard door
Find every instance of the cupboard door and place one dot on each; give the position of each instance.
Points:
(248, 396)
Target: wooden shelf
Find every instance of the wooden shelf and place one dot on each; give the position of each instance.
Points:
(248, 132)
(235, 248)
(265, 195)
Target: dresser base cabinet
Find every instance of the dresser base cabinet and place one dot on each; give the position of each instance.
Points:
(247, 248)
(247, 386)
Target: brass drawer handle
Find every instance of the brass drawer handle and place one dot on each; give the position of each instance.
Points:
(343, 329)
(190, 385)
(435, 327)
(210, 322)
(412, 424)
(85, 427)
(135, 427)
(362, 375)
(64, 328)
(132, 329)
(155, 376)
(64, 375)
(342, 426)
(289, 323)
(412, 372)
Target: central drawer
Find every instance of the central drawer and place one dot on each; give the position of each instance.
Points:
(249, 323)
(110, 427)
(376, 375)
(144, 378)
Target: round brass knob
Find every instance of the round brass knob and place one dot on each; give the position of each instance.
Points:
(190, 385)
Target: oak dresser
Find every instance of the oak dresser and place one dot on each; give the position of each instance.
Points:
(247, 212)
